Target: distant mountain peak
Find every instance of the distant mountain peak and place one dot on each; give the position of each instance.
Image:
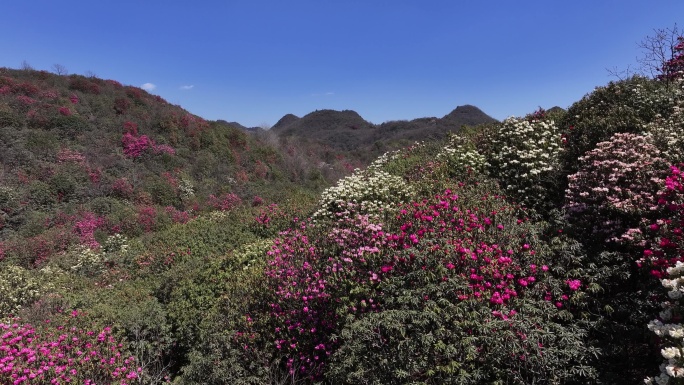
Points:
(285, 121)
(468, 115)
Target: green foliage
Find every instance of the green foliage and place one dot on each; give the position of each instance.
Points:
(42, 195)
(623, 106)
(668, 131)
(233, 347)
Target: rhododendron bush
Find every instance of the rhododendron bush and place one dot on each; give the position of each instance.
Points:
(524, 154)
(58, 353)
(616, 185)
(364, 192)
(463, 255)
(622, 106)
(662, 239)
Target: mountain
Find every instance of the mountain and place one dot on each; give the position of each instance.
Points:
(348, 131)
(285, 121)
(466, 115)
(343, 130)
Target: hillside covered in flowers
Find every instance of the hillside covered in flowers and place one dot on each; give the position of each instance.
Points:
(544, 249)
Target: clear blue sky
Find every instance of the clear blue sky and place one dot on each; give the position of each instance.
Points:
(253, 61)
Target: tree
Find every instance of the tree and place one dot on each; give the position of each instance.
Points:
(60, 69)
(674, 68)
(660, 49)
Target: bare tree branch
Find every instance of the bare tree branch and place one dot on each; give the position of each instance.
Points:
(658, 49)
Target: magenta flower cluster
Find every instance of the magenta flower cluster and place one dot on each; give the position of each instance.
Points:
(63, 354)
(135, 145)
(85, 229)
(663, 239)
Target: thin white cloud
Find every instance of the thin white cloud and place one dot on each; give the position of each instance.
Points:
(187, 87)
(324, 94)
(148, 86)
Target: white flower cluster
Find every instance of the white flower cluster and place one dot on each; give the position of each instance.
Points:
(668, 133)
(523, 155)
(88, 262)
(461, 156)
(249, 254)
(91, 262)
(383, 159)
(364, 192)
(115, 243)
(672, 333)
(18, 287)
(186, 189)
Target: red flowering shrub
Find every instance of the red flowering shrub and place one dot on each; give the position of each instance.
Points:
(122, 188)
(163, 149)
(466, 259)
(79, 83)
(66, 155)
(135, 146)
(225, 202)
(27, 89)
(26, 100)
(49, 94)
(59, 353)
(147, 218)
(65, 111)
(663, 239)
(121, 105)
(85, 229)
(177, 216)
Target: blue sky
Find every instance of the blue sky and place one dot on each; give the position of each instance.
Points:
(255, 61)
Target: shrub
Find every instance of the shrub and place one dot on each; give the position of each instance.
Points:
(134, 146)
(235, 343)
(466, 299)
(80, 83)
(364, 192)
(377, 301)
(616, 185)
(68, 126)
(668, 131)
(18, 288)
(674, 67)
(661, 239)
(64, 353)
(225, 202)
(623, 106)
(524, 155)
(461, 157)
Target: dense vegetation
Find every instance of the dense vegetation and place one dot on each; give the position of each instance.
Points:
(141, 244)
